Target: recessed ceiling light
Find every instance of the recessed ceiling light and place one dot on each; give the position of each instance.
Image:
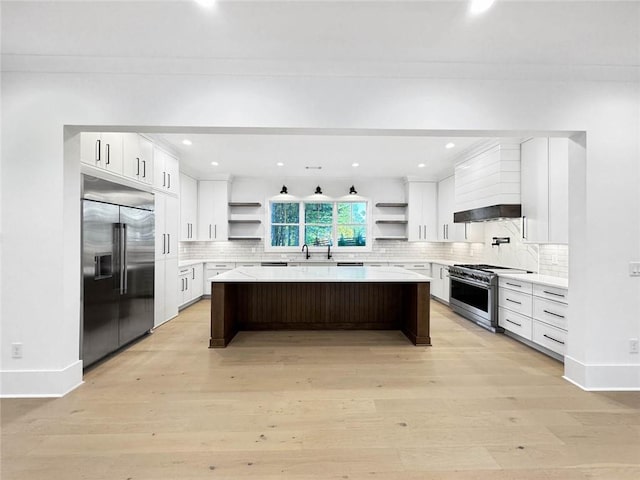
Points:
(187, 142)
(480, 6)
(280, 164)
(355, 164)
(206, 3)
(450, 145)
(215, 164)
(421, 165)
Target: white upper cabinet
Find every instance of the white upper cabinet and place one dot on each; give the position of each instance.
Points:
(422, 211)
(188, 207)
(166, 227)
(213, 210)
(545, 187)
(166, 171)
(102, 150)
(137, 157)
(447, 230)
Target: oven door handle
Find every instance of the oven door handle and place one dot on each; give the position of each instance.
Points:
(484, 286)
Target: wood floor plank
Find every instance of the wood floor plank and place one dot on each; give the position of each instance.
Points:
(324, 405)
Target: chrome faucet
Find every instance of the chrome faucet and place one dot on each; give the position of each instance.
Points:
(329, 251)
(307, 247)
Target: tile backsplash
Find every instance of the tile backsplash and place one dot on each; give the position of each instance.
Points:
(544, 259)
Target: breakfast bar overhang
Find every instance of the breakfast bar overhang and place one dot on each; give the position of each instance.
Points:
(319, 298)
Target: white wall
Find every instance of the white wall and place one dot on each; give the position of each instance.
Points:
(40, 275)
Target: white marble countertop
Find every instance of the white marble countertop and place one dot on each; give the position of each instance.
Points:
(313, 261)
(547, 280)
(319, 274)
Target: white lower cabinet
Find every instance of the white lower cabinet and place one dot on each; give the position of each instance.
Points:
(440, 284)
(190, 284)
(166, 296)
(535, 312)
(212, 270)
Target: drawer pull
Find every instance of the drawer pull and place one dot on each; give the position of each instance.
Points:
(551, 338)
(514, 284)
(220, 266)
(513, 301)
(553, 293)
(554, 314)
(515, 323)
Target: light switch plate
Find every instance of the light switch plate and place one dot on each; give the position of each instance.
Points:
(634, 269)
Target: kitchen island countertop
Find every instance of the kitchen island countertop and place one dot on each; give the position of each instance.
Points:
(320, 274)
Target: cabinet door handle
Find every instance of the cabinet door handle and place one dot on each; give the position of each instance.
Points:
(524, 225)
(514, 284)
(447, 231)
(440, 273)
(513, 301)
(193, 273)
(515, 323)
(554, 339)
(108, 151)
(186, 284)
(164, 179)
(553, 293)
(164, 243)
(466, 237)
(168, 243)
(138, 170)
(554, 314)
(215, 231)
(425, 233)
(182, 282)
(444, 232)
(169, 180)
(98, 150)
(209, 231)
(419, 232)
(144, 169)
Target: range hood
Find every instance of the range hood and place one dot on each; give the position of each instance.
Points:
(487, 184)
(485, 214)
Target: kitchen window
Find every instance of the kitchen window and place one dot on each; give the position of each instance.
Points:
(341, 224)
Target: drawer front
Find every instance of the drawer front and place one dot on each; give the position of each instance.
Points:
(246, 264)
(515, 301)
(375, 265)
(514, 322)
(552, 293)
(220, 266)
(548, 311)
(512, 284)
(550, 337)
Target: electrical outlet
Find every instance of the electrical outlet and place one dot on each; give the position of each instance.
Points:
(16, 350)
(634, 269)
(633, 345)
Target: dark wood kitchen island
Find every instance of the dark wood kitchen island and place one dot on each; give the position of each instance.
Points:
(319, 298)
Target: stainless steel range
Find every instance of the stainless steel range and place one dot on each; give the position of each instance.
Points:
(474, 293)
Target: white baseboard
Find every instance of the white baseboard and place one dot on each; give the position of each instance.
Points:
(602, 377)
(40, 383)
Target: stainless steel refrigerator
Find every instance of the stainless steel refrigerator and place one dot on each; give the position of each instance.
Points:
(118, 235)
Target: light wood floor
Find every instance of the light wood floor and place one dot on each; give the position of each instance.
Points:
(324, 405)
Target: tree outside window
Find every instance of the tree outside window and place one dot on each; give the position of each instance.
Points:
(352, 224)
(285, 224)
(318, 228)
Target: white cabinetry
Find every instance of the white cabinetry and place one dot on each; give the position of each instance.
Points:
(190, 284)
(536, 313)
(137, 158)
(422, 211)
(545, 187)
(440, 287)
(447, 230)
(166, 171)
(212, 270)
(102, 150)
(166, 265)
(188, 207)
(213, 210)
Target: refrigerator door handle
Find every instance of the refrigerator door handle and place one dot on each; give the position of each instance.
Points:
(125, 260)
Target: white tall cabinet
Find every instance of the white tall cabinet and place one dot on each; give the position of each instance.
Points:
(213, 210)
(166, 171)
(166, 265)
(188, 208)
(545, 190)
(422, 211)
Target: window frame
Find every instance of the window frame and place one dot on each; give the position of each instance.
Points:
(368, 247)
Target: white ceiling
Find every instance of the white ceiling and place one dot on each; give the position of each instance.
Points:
(257, 155)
